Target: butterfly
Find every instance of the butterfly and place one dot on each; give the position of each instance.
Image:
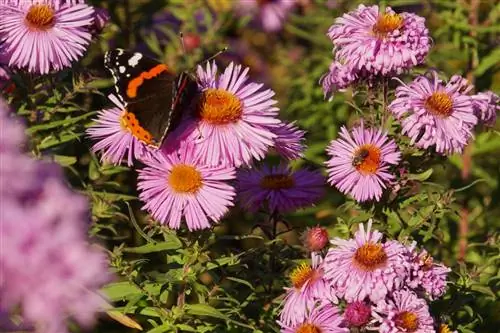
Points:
(151, 91)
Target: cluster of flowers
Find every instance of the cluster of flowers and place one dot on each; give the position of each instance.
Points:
(433, 113)
(363, 284)
(49, 271)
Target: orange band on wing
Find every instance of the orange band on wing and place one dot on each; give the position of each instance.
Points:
(134, 84)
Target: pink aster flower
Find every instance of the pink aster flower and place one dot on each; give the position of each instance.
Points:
(309, 287)
(269, 14)
(177, 185)
(435, 113)
(232, 117)
(289, 141)
(426, 275)
(380, 43)
(365, 266)
(339, 77)
(324, 318)
(278, 188)
(360, 162)
(118, 134)
(486, 107)
(404, 312)
(44, 35)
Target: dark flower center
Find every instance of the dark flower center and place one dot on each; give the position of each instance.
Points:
(40, 17)
(185, 179)
(219, 107)
(407, 320)
(370, 256)
(277, 182)
(439, 104)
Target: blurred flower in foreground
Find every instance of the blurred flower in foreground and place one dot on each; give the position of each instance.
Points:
(365, 266)
(289, 141)
(404, 312)
(59, 32)
(321, 319)
(49, 271)
(118, 134)
(177, 185)
(232, 117)
(269, 14)
(308, 288)
(435, 113)
(360, 162)
(278, 188)
(486, 107)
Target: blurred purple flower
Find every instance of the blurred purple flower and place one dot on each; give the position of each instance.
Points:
(59, 33)
(101, 18)
(278, 188)
(435, 113)
(360, 162)
(486, 107)
(268, 14)
(289, 141)
(321, 319)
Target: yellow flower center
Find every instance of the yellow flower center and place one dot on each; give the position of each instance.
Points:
(308, 328)
(443, 328)
(277, 182)
(185, 179)
(367, 159)
(370, 256)
(40, 16)
(129, 122)
(219, 107)
(407, 320)
(439, 104)
(387, 23)
(301, 274)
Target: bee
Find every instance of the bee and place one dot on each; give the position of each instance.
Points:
(359, 157)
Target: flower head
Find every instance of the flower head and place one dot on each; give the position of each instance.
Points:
(433, 113)
(486, 107)
(308, 288)
(321, 319)
(380, 43)
(269, 14)
(403, 312)
(44, 35)
(118, 134)
(360, 162)
(315, 239)
(365, 266)
(289, 141)
(339, 77)
(278, 188)
(175, 186)
(232, 117)
(357, 313)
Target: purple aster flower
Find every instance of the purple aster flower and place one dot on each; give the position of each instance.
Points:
(380, 43)
(278, 188)
(177, 185)
(44, 35)
(433, 113)
(403, 312)
(321, 319)
(309, 287)
(365, 266)
(338, 78)
(289, 141)
(269, 14)
(11, 130)
(232, 117)
(360, 162)
(118, 134)
(101, 18)
(486, 107)
(425, 274)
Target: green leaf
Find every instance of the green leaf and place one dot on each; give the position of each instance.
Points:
(172, 243)
(204, 310)
(65, 160)
(120, 291)
(491, 60)
(421, 176)
(59, 123)
(161, 329)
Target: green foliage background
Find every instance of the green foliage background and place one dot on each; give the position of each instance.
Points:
(231, 278)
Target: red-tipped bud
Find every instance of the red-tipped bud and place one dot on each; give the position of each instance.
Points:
(357, 314)
(315, 239)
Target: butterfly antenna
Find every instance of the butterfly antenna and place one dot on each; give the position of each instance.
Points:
(183, 45)
(218, 53)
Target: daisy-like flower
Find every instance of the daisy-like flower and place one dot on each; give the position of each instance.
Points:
(404, 312)
(118, 134)
(433, 113)
(278, 188)
(321, 319)
(44, 35)
(426, 275)
(365, 266)
(309, 287)
(289, 141)
(360, 162)
(486, 107)
(269, 14)
(233, 117)
(380, 43)
(177, 185)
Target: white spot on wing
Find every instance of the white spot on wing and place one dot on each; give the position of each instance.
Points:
(122, 69)
(134, 60)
